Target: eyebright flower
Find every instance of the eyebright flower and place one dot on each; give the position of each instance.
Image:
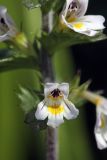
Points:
(7, 26)
(101, 123)
(55, 105)
(72, 16)
(8, 30)
(100, 129)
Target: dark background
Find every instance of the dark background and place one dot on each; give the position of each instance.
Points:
(91, 59)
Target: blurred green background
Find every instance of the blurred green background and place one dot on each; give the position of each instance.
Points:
(17, 140)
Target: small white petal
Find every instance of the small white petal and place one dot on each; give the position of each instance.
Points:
(101, 143)
(101, 129)
(103, 106)
(90, 32)
(7, 19)
(86, 26)
(64, 88)
(67, 113)
(83, 7)
(51, 120)
(4, 37)
(49, 87)
(93, 22)
(41, 112)
(59, 119)
(66, 6)
(98, 118)
(3, 10)
(71, 112)
(55, 120)
(7, 25)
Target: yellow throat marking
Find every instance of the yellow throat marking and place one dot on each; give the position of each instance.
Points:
(98, 101)
(71, 19)
(55, 110)
(78, 25)
(102, 121)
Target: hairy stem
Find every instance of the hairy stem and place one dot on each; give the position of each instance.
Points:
(48, 76)
(52, 144)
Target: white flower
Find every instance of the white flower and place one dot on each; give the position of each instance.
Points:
(101, 124)
(73, 17)
(55, 105)
(7, 26)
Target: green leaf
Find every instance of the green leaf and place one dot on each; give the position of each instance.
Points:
(31, 4)
(84, 86)
(46, 5)
(56, 40)
(75, 82)
(12, 59)
(58, 5)
(33, 122)
(76, 90)
(29, 100)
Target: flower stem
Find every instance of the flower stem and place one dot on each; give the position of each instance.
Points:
(51, 144)
(90, 96)
(48, 76)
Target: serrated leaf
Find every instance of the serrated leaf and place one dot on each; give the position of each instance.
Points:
(33, 122)
(76, 90)
(75, 82)
(28, 100)
(84, 86)
(58, 40)
(78, 101)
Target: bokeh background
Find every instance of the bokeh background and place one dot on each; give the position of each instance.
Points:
(76, 138)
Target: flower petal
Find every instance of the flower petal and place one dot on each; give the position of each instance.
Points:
(83, 8)
(93, 22)
(55, 120)
(49, 87)
(4, 37)
(100, 129)
(80, 10)
(7, 26)
(103, 106)
(4, 15)
(41, 112)
(70, 112)
(3, 11)
(64, 88)
(86, 26)
(101, 143)
(66, 6)
(77, 26)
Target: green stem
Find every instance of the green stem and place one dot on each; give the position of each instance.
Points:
(48, 76)
(52, 144)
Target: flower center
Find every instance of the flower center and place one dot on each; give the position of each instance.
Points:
(78, 25)
(73, 6)
(3, 26)
(98, 101)
(55, 109)
(55, 93)
(72, 9)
